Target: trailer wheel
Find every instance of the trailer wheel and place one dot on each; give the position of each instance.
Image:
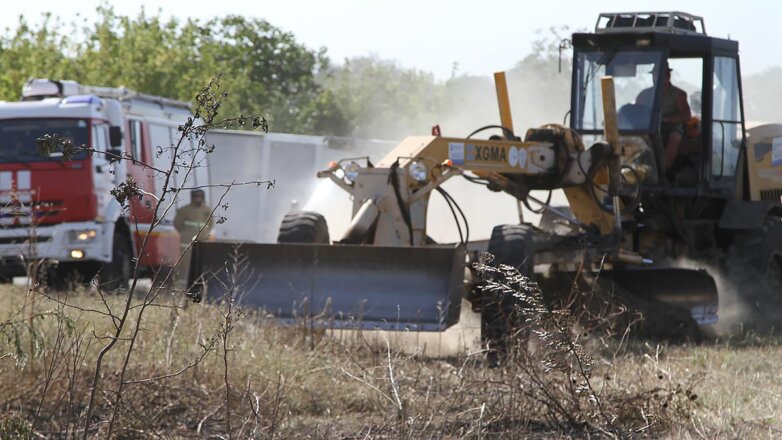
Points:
(115, 275)
(501, 320)
(303, 227)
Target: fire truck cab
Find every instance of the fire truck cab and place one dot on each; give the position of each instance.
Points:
(62, 212)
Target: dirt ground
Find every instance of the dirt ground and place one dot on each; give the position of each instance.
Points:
(291, 382)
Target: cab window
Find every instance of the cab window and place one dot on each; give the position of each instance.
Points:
(726, 129)
(100, 141)
(135, 139)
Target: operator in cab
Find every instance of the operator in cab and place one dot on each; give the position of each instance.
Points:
(674, 113)
(194, 222)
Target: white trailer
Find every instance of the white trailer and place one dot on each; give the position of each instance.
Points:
(291, 161)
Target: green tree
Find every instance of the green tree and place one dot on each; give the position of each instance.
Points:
(31, 51)
(382, 99)
(264, 69)
(268, 71)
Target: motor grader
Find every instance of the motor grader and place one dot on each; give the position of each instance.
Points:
(628, 216)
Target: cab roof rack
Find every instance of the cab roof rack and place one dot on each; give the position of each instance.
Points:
(39, 88)
(667, 22)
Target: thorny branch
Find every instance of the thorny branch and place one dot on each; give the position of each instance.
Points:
(208, 103)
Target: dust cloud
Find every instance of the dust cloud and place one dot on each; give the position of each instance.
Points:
(534, 102)
(761, 96)
(539, 95)
(744, 304)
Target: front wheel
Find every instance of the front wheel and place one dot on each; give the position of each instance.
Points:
(116, 274)
(69, 275)
(501, 315)
(304, 227)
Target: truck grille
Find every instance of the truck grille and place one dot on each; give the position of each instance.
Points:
(24, 239)
(771, 194)
(22, 211)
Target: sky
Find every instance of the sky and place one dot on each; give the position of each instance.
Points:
(480, 37)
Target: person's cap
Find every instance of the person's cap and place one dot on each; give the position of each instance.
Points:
(664, 66)
(197, 192)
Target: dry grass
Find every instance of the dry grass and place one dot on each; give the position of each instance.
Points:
(290, 382)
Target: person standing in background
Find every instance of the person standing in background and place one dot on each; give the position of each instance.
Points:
(194, 223)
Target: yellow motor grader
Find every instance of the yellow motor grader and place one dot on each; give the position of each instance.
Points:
(629, 216)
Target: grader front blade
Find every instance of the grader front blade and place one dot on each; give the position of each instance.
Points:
(342, 286)
(694, 290)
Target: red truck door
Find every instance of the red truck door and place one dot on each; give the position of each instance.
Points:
(162, 247)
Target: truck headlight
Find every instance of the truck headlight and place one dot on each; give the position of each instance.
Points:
(417, 171)
(83, 236)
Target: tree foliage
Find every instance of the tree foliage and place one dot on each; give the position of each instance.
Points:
(266, 70)
(380, 98)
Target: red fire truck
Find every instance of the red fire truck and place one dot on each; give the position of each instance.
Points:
(62, 212)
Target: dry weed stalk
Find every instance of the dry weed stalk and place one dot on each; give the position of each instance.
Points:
(560, 377)
(127, 321)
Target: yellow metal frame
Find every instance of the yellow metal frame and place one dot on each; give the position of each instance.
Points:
(503, 100)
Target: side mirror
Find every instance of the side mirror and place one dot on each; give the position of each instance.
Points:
(115, 136)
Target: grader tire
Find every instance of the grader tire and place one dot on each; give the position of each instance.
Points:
(755, 264)
(501, 320)
(304, 227)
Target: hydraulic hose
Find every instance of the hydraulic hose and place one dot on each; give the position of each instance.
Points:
(450, 200)
(393, 179)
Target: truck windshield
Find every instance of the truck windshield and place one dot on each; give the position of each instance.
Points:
(633, 71)
(17, 138)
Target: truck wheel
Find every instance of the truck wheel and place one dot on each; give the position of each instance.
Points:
(69, 275)
(163, 276)
(115, 275)
(501, 320)
(303, 227)
(757, 256)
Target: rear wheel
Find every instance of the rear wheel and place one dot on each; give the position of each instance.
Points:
(771, 256)
(304, 227)
(116, 274)
(774, 273)
(755, 264)
(501, 317)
